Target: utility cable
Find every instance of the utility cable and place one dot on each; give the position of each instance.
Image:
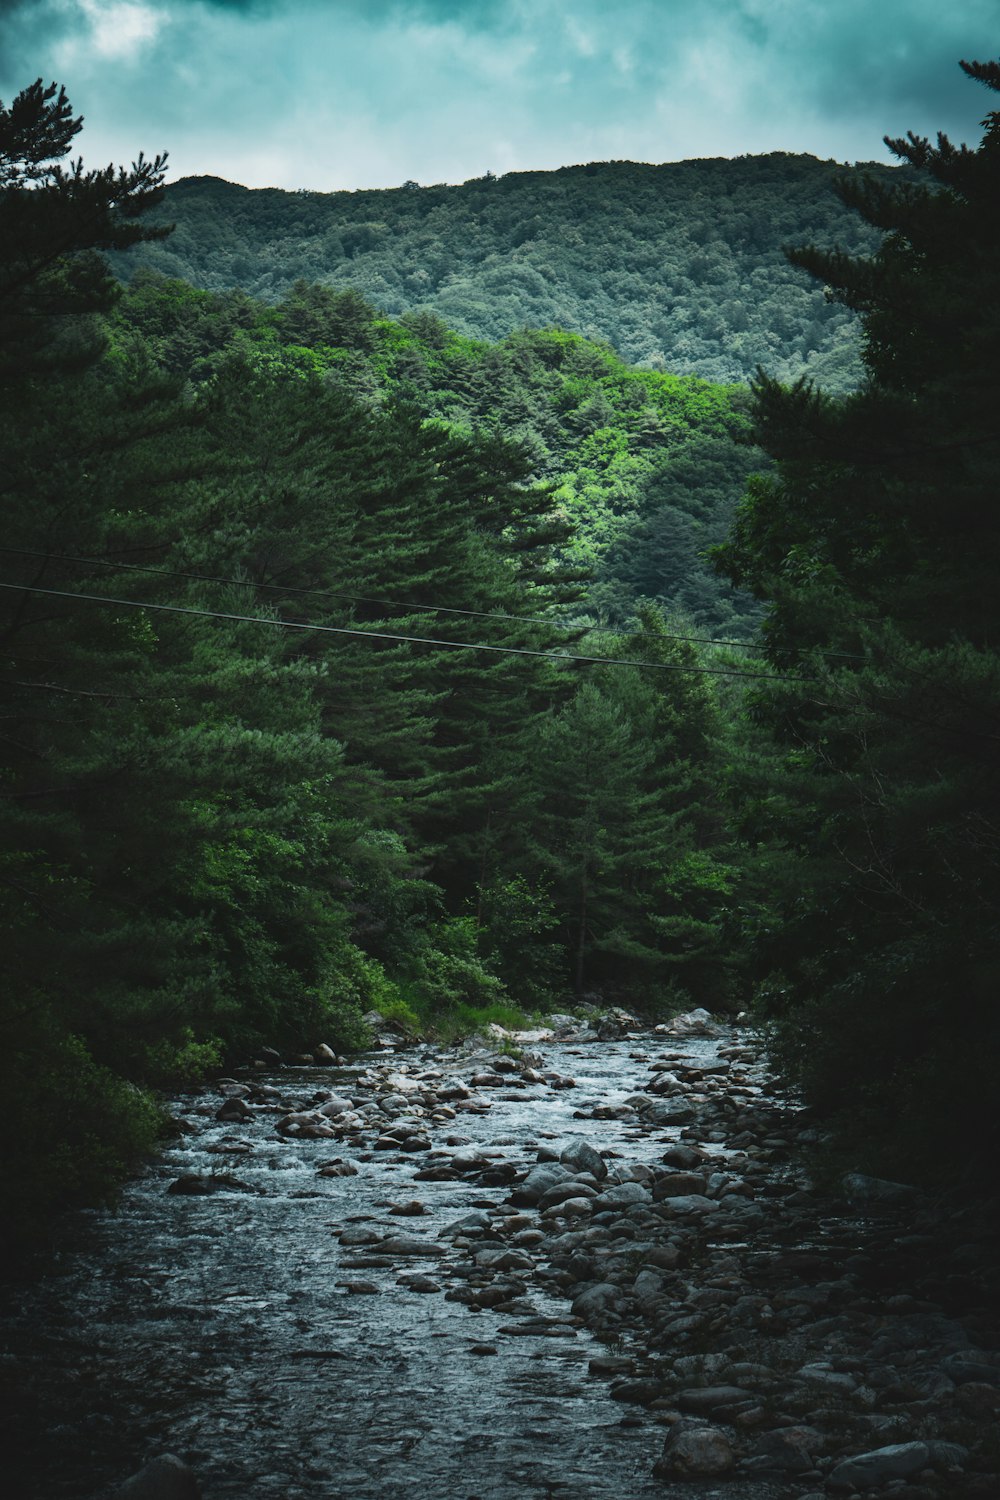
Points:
(384, 635)
(443, 609)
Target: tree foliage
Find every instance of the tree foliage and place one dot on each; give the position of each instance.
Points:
(288, 709)
(875, 545)
(678, 266)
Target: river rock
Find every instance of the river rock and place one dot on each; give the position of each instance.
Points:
(691, 1023)
(406, 1244)
(538, 1182)
(970, 1365)
(670, 1111)
(473, 1223)
(690, 1205)
(570, 1208)
(563, 1190)
(697, 1452)
(336, 1105)
(872, 1191)
(165, 1478)
(235, 1109)
(355, 1235)
(198, 1185)
(305, 1126)
(338, 1169)
(786, 1450)
(582, 1156)
(666, 1083)
(882, 1464)
(679, 1185)
(684, 1158)
(616, 1023)
(637, 1392)
(499, 1258)
(325, 1055)
(418, 1283)
(701, 1400)
(603, 1297)
(622, 1196)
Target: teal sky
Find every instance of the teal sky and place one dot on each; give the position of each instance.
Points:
(328, 94)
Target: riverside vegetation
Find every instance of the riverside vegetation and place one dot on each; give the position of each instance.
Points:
(233, 816)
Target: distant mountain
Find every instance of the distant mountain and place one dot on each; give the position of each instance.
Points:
(677, 267)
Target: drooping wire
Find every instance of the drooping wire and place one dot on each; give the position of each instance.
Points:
(442, 609)
(385, 635)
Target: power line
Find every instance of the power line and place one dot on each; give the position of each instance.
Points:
(442, 609)
(384, 635)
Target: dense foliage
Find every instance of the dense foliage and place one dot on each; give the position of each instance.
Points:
(645, 467)
(268, 759)
(678, 267)
(293, 594)
(876, 544)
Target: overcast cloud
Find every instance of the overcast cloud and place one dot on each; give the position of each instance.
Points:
(367, 93)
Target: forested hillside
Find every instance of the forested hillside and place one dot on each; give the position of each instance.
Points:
(347, 661)
(678, 267)
(302, 714)
(644, 467)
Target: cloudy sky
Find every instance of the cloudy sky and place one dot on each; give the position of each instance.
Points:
(331, 94)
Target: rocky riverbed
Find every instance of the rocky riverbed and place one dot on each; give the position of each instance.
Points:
(575, 1266)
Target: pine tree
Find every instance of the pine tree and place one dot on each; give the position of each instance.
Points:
(875, 545)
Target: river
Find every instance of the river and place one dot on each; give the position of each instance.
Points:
(235, 1330)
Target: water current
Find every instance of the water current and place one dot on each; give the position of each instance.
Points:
(220, 1328)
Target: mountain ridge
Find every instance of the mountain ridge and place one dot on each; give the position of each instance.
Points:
(676, 266)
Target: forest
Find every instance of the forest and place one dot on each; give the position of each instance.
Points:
(628, 738)
(678, 267)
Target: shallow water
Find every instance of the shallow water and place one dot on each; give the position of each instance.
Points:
(218, 1327)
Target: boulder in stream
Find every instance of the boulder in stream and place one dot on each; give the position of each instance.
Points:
(583, 1157)
(695, 1452)
(164, 1478)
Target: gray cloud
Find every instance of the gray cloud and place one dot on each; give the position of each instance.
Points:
(330, 93)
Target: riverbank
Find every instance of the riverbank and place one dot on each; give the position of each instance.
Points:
(595, 1268)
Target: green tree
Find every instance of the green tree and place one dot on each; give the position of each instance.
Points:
(874, 544)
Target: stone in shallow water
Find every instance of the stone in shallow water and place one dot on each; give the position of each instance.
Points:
(622, 1196)
(359, 1236)
(583, 1157)
(637, 1392)
(874, 1190)
(198, 1185)
(689, 1205)
(538, 1181)
(336, 1105)
(499, 1258)
(601, 1298)
(165, 1478)
(882, 1464)
(569, 1208)
(699, 1451)
(405, 1244)
(703, 1399)
(679, 1184)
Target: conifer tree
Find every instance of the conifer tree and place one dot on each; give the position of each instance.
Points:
(875, 545)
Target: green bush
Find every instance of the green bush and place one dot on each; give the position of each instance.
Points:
(70, 1131)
